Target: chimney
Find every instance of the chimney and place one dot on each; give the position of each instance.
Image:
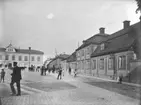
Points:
(29, 48)
(126, 24)
(102, 30)
(84, 41)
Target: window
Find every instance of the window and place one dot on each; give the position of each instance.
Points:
(10, 49)
(88, 64)
(20, 58)
(82, 52)
(94, 64)
(13, 57)
(32, 58)
(94, 48)
(101, 64)
(83, 63)
(134, 56)
(38, 59)
(0, 57)
(78, 54)
(88, 51)
(102, 46)
(25, 58)
(122, 62)
(7, 57)
(110, 63)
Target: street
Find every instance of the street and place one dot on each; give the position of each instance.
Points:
(47, 90)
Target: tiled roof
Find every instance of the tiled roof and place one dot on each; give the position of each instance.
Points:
(120, 41)
(24, 51)
(72, 57)
(63, 56)
(95, 39)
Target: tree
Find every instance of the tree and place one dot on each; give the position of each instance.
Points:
(139, 6)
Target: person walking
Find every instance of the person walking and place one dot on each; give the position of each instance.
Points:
(75, 72)
(16, 77)
(2, 75)
(59, 73)
(69, 70)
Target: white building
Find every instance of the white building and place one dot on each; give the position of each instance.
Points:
(24, 57)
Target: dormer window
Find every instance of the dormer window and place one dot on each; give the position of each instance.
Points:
(102, 46)
(94, 48)
(10, 48)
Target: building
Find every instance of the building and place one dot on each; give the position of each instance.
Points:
(57, 61)
(71, 62)
(24, 57)
(113, 56)
(83, 53)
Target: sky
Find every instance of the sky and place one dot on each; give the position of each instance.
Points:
(47, 25)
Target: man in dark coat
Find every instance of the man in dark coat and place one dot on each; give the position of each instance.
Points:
(16, 77)
(69, 71)
(59, 73)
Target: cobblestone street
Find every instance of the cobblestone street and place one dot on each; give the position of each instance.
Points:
(47, 90)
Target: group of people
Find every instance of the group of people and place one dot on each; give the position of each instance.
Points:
(15, 78)
(75, 72)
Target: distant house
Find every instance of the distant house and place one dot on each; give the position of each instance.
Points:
(57, 61)
(24, 57)
(83, 53)
(113, 56)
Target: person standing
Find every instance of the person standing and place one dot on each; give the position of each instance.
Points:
(2, 75)
(75, 72)
(69, 70)
(53, 69)
(59, 73)
(16, 77)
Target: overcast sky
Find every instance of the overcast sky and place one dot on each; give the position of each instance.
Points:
(48, 24)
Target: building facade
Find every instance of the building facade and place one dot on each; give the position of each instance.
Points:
(83, 53)
(113, 56)
(58, 61)
(24, 57)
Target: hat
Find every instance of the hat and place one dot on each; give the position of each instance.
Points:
(15, 63)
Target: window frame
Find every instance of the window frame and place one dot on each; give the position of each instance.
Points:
(20, 58)
(6, 57)
(101, 64)
(13, 56)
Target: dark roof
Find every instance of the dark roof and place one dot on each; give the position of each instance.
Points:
(62, 56)
(25, 51)
(95, 39)
(119, 41)
(2, 49)
(72, 57)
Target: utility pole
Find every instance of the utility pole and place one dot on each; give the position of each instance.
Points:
(29, 56)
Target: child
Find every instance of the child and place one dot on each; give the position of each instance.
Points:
(120, 79)
(2, 75)
(75, 73)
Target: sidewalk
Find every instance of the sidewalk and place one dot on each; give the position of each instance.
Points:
(114, 97)
(105, 79)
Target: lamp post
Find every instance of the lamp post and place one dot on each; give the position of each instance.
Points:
(29, 56)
